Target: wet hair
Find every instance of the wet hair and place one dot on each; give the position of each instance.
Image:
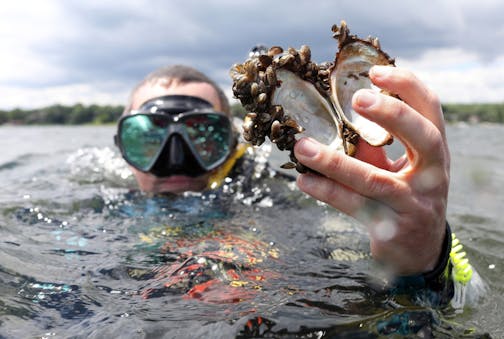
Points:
(183, 75)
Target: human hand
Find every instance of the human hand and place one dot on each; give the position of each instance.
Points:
(402, 202)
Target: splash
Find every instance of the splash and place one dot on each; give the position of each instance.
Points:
(98, 165)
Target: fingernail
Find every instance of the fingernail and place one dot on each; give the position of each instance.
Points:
(307, 147)
(380, 71)
(365, 98)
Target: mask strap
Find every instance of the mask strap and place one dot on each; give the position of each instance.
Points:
(216, 179)
(174, 104)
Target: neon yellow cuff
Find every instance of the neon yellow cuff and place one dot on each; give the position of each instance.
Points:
(462, 270)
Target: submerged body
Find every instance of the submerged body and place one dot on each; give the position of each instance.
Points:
(89, 244)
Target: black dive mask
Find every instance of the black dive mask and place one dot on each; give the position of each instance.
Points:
(175, 135)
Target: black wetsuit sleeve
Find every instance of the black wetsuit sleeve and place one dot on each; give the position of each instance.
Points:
(437, 284)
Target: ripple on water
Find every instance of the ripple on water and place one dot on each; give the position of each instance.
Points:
(78, 248)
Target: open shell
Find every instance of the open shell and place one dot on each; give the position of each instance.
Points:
(286, 94)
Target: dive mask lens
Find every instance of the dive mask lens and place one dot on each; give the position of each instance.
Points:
(141, 138)
(210, 137)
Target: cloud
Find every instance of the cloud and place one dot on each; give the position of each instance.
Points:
(58, 46)
(459, 76)
(20, 31)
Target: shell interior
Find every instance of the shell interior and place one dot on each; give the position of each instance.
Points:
(301, 101)
(286, 94)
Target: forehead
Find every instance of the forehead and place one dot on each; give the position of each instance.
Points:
(159, 88)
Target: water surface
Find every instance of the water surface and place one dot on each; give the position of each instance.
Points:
(85, 255)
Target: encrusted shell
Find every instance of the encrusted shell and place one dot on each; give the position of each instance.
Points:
(286, 93)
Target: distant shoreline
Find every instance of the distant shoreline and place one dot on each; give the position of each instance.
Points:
(107, 114)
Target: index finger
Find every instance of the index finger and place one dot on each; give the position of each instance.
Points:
(410, 89)
(358, 176)
(421, 137)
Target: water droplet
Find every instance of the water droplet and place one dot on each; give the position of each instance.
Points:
(266, 202)
(385, 230)
(82, 242)
(429, 178)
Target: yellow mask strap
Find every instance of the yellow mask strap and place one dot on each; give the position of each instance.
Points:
(216, 178)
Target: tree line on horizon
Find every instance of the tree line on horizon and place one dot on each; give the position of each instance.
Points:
(79, 114)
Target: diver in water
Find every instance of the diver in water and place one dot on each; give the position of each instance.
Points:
(176, 130)
(177, 135)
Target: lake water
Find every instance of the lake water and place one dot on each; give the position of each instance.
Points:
(81, 255)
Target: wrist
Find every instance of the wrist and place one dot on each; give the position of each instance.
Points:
(438, 275)
(436, 278)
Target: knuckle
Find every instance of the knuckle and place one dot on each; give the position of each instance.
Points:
(333, 164)
(331, 194)
(435, 142)
(376, 185)
(405, 78)
(328, 192)
(409, 82)
(433, 101)
(433, 98)
(396, 110)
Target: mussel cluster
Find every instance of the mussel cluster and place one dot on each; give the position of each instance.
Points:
(286, 93)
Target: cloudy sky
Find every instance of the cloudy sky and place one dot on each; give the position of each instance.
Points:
(94, 51)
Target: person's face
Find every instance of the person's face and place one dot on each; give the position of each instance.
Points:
(176, 183)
